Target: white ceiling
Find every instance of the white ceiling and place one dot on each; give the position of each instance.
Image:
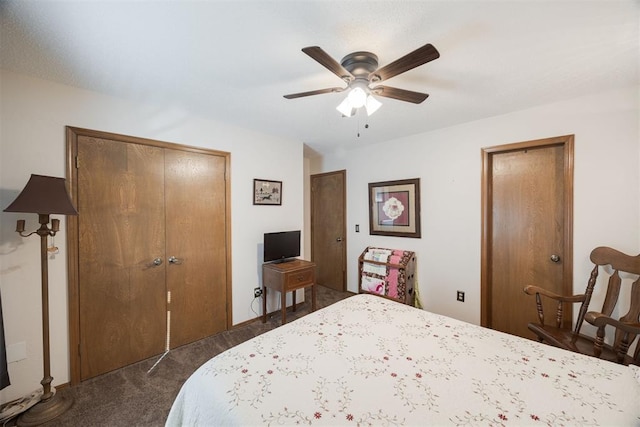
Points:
(233, 60)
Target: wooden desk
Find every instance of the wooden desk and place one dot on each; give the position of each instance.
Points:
(285, 277)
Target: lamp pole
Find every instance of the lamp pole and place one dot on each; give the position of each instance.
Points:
(44, 195)
(51, 405)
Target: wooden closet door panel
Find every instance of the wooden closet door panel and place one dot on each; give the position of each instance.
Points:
(195, 228)
(122, 299)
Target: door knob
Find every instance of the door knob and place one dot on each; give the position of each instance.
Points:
(555, 258)
(157, 261)
(174, 260)
(338, 239)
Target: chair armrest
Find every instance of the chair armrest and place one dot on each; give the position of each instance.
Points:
(532, 290)
(626, 333)
(560, 299)
(599, 320)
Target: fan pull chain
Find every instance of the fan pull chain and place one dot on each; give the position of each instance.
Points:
(366, 126)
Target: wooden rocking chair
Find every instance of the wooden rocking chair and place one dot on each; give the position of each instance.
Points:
(627, 327)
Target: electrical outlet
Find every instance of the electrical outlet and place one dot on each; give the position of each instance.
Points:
(460, 296)
(257, 292)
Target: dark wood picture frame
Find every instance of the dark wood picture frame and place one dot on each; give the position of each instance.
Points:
(394, 208)
(267, 192)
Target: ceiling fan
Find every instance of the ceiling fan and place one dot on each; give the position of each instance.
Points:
(360, 70)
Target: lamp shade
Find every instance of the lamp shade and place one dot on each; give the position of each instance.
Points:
(43, 195)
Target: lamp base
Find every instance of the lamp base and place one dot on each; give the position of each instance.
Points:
(45, 411)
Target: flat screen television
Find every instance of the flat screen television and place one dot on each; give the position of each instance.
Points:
(281, 246)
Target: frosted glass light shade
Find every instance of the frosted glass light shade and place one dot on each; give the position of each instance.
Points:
(372, 105)
(357, 97)
(345, 108)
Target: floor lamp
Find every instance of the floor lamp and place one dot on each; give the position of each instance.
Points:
(44, 195)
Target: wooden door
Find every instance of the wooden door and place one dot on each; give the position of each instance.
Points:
(196, 245)
(328, 229)
(121, 231)
(149, 264)
(527, 210)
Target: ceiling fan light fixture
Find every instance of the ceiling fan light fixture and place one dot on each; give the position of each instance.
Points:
(372, 105)
(359, 96)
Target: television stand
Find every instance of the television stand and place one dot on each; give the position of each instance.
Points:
(285, 277)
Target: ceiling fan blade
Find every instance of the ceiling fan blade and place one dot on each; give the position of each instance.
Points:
(314, 92)
(418, 57)
(400, 94)
(328, 62)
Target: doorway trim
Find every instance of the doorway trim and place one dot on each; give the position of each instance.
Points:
(565, 141)
(72, 229)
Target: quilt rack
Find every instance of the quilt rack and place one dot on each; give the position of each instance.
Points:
(387, 272)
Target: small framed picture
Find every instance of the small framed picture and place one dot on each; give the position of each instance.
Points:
(394, 208)
(266, 192)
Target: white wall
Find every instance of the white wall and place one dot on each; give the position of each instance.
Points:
(34, 114)
(448, 163)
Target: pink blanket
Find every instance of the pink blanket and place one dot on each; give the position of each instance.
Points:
(392, 276)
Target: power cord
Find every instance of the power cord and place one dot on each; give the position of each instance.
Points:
(258, 297)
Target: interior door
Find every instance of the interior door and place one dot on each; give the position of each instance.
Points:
(196, 244)
(527, 209)
(121, 233)
(328, 229)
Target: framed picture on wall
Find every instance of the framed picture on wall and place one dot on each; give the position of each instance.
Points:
(394, 208)
(266, 192)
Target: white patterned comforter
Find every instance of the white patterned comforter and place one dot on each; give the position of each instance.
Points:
(367, 360)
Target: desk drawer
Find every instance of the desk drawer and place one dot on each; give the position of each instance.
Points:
(296, 279)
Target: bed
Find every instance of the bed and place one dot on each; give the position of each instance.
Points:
(367, 360)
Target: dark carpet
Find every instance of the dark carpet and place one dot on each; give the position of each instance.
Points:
(132, 397)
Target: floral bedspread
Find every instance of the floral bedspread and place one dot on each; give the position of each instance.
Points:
(367, 360)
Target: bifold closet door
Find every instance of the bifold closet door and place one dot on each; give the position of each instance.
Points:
(151, 250)
(122, 295)
(195, 245)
